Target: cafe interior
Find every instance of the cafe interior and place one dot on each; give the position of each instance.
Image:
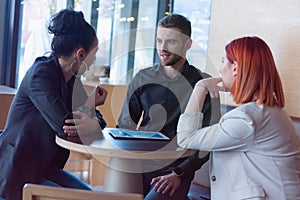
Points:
(126, 31)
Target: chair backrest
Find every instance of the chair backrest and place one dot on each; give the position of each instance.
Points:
(40, 192)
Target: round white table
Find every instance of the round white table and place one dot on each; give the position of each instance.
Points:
(125, 156)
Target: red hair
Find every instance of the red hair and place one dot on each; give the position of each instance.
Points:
(257, 76)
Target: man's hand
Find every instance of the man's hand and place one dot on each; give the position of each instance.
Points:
(169, 182)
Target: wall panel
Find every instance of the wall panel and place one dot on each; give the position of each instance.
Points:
(277, 22)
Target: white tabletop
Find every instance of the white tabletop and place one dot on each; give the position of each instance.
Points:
(124, 169)
(105, 145)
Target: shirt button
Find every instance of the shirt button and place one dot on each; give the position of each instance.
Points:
(213, 178)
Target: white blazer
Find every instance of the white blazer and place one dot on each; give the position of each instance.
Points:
(255, 152)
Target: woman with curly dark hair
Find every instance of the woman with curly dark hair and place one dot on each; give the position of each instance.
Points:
(44, 106)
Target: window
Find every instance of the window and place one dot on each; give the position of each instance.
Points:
(35, 39)
(125, 28)
(133, 39)
(198, 12)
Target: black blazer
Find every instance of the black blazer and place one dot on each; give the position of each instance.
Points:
(27, 144)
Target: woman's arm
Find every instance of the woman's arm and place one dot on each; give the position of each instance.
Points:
(49, 97)
(202, 87)
(96, 98)
(230, 133)
(86, 118)
(233, 132)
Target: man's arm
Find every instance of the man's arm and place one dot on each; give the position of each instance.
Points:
(171, 181)
(132, 108)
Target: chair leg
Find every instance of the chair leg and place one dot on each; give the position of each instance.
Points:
(79, 164)
(98, 170)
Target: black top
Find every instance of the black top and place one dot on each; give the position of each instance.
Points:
(37, 113)
(160, 101)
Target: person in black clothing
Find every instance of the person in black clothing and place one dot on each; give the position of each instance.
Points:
(159, 94)
(43, 107)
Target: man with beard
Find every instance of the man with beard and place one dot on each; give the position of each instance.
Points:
(158, 95)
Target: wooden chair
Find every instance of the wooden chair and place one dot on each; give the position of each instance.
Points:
(40, 192)
(88, 168)
(79, 164)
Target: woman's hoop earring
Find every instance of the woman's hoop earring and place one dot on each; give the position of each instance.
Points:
(76, 73)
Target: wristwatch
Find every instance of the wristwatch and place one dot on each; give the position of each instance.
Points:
(179, 172)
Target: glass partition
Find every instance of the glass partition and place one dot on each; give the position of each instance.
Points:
(198, 12)
(126, 31)
(35, 39)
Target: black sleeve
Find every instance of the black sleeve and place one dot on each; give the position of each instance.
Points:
(100, 118)
(47, 96)
(193, 163)
(132, 108)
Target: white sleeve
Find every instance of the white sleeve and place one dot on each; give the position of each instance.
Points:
(233, 132)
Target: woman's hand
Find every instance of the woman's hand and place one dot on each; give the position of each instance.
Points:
(83, 124)
(202, 87)
(211, 85)
(100, 96)
(97, 97)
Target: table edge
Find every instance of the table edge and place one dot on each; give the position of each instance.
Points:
(145, 155)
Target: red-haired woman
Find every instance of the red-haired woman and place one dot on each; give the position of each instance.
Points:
(255, 150)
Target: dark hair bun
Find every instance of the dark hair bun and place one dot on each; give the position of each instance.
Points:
(71, 31)
(66, 22)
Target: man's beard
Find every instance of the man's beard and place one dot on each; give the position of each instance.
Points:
(173, 61)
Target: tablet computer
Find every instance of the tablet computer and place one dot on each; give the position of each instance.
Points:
(128, 134)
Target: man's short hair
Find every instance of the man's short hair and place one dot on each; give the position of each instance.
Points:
(176, 21)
